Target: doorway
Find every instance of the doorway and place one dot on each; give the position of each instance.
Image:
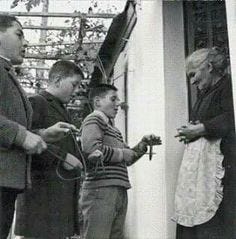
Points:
(205, 26)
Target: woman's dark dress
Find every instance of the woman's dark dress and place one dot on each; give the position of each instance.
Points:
(214, 108)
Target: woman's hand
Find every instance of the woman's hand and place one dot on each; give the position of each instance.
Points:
(190, 132)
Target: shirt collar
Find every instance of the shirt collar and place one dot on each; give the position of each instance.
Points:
(5, 58)
(6, 64)
(51, 97)
(104, 117)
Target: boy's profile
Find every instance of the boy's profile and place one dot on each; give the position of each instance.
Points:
(104, 191)
(49, 209)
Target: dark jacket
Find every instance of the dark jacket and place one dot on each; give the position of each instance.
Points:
(49, 209)
(214, 108)
(15, 118)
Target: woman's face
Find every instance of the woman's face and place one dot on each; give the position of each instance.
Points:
(200, 75)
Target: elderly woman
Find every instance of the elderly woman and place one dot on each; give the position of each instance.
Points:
(205, 201)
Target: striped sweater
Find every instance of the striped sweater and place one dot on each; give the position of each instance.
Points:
(97, 133)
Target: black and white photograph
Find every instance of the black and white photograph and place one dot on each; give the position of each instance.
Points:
(117, 119)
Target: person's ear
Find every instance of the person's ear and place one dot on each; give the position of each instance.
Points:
(96, 101)
(210, 67)
(57, 81)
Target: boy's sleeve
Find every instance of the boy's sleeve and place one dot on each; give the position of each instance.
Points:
(11, 132)
(137, 151)
(140, 149)
(41, 120)
(92, 138)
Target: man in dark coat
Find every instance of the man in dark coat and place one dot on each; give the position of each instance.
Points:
(49, 210)
(16, 141)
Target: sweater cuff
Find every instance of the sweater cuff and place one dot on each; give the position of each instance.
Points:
(20, 136)
(140, 149)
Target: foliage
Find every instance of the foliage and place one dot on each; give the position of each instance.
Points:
(29, 4)
(79, 30)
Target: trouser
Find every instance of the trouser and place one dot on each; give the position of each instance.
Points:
(104, 211)
(7, 207)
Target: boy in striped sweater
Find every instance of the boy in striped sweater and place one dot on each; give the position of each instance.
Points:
(104, 191)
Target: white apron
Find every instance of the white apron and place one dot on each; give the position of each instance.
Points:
(199, 190)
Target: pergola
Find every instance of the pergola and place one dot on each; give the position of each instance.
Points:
(95, 55)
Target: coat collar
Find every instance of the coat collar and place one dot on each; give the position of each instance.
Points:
(57, 105)
(51, 97)
(5, 63)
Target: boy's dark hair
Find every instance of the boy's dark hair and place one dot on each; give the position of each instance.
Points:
(64, 69)
(6, 21)
(100, 90)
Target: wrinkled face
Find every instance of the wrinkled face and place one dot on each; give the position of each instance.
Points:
(108, 104)
(68, 87)
(13, 44)
(200, 75)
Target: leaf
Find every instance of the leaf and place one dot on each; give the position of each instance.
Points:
(14, 3)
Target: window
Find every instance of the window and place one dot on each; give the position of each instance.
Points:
(205, 26)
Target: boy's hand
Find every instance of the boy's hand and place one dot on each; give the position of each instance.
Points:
(71, 162)
(56, 132)
(95, 156)
(33, 143)
(151, 139)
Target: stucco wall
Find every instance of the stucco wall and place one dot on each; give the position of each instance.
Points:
(157, 99)
(176, 99)
(146, 98)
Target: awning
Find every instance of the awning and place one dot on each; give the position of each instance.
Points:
(114, 43)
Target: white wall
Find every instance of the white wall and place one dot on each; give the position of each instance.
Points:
(157, 99)
(176, 99)
(119, 82)
(146, 99)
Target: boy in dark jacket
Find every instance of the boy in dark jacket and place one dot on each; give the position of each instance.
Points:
(50, 209)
